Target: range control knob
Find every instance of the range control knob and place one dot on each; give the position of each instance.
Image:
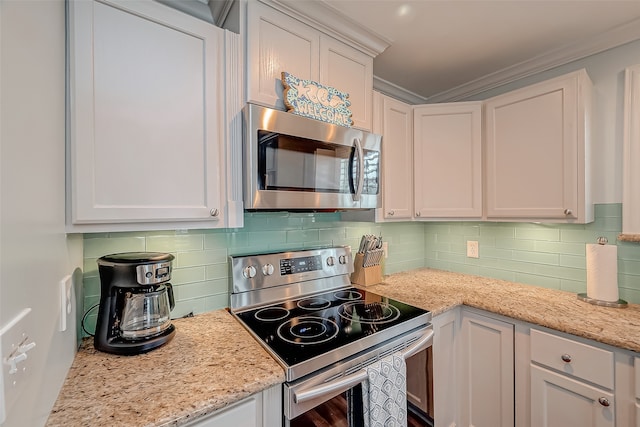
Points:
(330, 261)
(267, 269)
(342, 259)
(249, 272)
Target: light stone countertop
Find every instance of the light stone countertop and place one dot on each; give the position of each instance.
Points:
(438, 291)
(211, 362)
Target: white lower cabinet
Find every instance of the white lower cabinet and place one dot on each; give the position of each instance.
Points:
(562, 401)
(487, 370)
(493, 371)
(262, 409)
(446, 328)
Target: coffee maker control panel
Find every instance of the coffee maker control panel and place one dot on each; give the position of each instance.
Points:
(151, 274)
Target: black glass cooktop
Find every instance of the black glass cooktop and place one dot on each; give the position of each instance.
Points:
(301, 329)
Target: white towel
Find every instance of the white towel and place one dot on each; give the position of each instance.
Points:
(384, 394)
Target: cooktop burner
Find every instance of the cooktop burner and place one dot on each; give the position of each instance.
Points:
(316, 325)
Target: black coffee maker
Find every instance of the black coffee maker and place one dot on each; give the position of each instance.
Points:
(135, 300)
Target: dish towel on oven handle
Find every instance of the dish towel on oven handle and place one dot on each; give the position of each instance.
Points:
(384, 393)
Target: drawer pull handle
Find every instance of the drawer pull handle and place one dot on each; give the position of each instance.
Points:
(566, 358)
(391, 213)
(604, 401)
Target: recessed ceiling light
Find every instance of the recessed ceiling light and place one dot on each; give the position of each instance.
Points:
(404, 10)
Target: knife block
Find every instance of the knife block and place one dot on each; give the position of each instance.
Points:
(365, 276)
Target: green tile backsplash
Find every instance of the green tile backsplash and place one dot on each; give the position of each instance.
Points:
(548, 255)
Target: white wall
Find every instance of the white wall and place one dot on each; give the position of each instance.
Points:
(35, 253)
(606, 70)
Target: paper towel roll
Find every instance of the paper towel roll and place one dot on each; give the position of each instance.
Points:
(602, 272)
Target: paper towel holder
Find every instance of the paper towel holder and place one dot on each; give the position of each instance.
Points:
(615, 304)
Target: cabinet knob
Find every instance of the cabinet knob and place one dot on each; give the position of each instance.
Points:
(604, 401)
(390, 213)
(568, 212)
(417, 213)
(214, 212)
(566, 358)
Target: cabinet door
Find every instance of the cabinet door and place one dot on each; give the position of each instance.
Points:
(394, 120)
(145, 97)
(560, 401)
(536, 145)
(448, 160)
(487, 372)
(446, 399)
(350, 71)
(631, 155)
(277, 43)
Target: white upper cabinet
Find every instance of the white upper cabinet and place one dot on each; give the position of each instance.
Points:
(631, 157)
(537, 152)
(448, 160)
(277, 42)
(342, 66)
(146, 118)
(394, 121)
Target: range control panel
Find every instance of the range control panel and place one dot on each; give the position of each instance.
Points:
(249, 272)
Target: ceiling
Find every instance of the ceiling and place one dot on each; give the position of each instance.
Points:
(447, 49)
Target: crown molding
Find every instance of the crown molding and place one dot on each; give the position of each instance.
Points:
(325, 18)
(397, 92)
(552, 59)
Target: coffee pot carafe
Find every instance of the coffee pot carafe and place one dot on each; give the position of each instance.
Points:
(136, 299)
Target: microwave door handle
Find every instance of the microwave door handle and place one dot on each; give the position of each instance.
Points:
(356, 378)
(358, 193)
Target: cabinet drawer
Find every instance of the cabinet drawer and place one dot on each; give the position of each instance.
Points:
(574, 358)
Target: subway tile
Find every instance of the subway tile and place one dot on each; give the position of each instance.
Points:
(489, 252)
(511, 243)
(537, 257)
(498, 231)
(301, 236)
(177, 243)
(560, 248)
(562, 272)
(200, 289)
(197, 258)
(216, 271)
(332, 234)
(95, 248)
(537, 233)
(629, 295)
(629, 267)
(574, 261)
(215, 241)
(91, 286)
(187, 275)
(90, 267)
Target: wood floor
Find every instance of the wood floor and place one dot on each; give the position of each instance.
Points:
(334, 414)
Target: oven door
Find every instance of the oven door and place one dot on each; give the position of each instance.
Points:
(294, 162)
(333, 396)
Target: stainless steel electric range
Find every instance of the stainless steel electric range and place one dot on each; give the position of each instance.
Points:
(302, 308)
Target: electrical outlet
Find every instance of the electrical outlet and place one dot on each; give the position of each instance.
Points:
(385, 249)
(472, 249)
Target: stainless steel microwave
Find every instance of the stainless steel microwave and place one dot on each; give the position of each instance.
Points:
(297, 163)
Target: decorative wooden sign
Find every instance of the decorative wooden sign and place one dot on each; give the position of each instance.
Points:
(311, 99)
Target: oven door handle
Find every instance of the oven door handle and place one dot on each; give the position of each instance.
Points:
(356, 378)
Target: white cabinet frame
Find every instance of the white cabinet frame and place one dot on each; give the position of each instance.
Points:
(631, 155)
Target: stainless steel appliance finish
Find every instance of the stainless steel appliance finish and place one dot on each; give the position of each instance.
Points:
(283, 297)
(297, 163)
